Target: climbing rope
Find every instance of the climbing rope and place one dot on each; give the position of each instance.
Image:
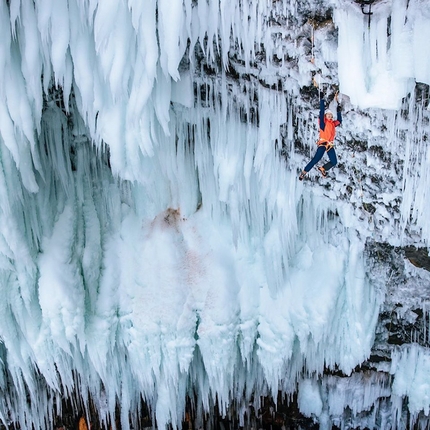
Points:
(313, 44)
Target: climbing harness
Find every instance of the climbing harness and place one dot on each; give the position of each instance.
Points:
(328, 145)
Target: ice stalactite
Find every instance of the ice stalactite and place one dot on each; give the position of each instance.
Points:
(416, 167)
(388, 54)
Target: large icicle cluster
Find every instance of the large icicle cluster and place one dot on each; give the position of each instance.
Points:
(154, 241)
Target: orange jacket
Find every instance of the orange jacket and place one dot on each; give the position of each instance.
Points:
(329, 132)
(327, 126)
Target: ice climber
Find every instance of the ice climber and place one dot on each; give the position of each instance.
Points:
(326, 139)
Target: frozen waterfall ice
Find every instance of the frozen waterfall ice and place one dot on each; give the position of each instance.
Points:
(156, 247)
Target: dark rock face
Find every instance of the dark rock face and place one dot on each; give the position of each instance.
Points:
(419, 257)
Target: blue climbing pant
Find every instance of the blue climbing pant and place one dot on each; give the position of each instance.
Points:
(317, 157)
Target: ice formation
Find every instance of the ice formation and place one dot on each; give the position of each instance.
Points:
(154, 240)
